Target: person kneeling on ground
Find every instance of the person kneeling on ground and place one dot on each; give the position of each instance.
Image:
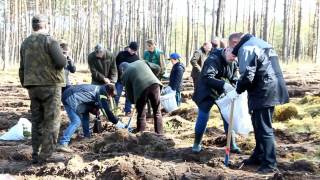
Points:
(176, 74)
(141, 84)
(218, 74)
(78, 101)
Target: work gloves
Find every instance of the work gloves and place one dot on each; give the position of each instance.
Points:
(166, 90)
(120, 125)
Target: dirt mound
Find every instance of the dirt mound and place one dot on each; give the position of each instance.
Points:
(137, 167)
(186, 113)
(219, 141)
(177, 122)
(123, 142)
(293, 176)
(121, 170)
(285, 137)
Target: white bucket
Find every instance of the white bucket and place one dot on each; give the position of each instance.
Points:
(168, 101)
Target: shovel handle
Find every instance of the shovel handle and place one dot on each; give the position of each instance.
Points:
(226, 161)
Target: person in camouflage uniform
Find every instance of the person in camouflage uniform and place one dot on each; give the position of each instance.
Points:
(41, 72)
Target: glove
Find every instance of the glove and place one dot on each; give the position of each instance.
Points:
(166, 90)
(227, 87)
(120, 125)
(232, 94)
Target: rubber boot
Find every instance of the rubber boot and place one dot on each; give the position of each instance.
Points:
(234, 147)
(197, 143)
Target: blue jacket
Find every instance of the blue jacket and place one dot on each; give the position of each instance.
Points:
(261, 74)
(176, 76)
(83, 98)
(215, 71)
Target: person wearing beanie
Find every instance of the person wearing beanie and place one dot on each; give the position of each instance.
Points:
(78, 101)
(129, 55)
(176, 74)
(102, 66)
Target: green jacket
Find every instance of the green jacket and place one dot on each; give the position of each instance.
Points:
(41, 61)
(137, 77)
(102, 68)
(153, 57)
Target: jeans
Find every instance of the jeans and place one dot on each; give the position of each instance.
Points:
(75, 120)
(119, 88)
(201, 124)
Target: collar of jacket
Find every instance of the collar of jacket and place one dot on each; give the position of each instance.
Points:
(243, 40)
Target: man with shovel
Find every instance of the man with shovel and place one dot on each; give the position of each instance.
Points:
(142, 85)
(78, 101)
(218, 75)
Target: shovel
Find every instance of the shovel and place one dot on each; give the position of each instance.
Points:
(129, 122)
(227, 156)
(97, 126)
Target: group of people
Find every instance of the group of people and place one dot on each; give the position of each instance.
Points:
(246, 63)
(44, 70)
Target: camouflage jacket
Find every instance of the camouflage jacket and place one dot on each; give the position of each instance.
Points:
(41, 61)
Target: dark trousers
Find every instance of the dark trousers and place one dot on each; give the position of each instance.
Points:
(195, 81)
(152, 94)
(45, 118)
(264, 151)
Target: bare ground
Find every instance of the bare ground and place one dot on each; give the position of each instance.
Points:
(120, 155)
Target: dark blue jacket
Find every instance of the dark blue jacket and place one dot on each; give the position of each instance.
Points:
(261, 74)
(215, 71)
(82, 98)
(176, 76)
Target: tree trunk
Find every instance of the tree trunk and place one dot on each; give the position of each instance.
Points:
(285, 33)
(237, 13)
(205, 20)
(265, 25)
(254, 19)
(188, 33)
(317, 59)
(213, 13)
(218, 18)
(112, 24)
(298, 40)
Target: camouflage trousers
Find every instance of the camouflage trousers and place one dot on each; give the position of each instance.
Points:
(45, 118)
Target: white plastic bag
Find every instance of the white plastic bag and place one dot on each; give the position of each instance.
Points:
(16, 132)
(168, 101)
(241, 118)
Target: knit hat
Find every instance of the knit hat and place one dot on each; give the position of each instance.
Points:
(134, 46)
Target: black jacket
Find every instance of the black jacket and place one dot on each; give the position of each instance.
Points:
(261, 74)
(176, 74)
(125, 56)
(215, 71)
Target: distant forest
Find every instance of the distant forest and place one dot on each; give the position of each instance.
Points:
(291, 26)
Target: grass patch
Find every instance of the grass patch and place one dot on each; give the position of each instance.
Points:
(285, 112)
(310, 100)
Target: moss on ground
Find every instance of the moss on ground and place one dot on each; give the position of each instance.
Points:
(285, 112)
